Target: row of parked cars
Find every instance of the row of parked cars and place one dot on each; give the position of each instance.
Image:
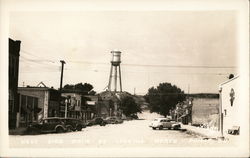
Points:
(102, 122)
(60, 125)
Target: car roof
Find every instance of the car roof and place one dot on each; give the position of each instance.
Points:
(49, 118)
(62, 118)
(161, 118)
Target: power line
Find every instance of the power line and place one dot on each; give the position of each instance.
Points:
(41, 62)
(44, 59)
(139, 65)
(169, 66)
(184, 66)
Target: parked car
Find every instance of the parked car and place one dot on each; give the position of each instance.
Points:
(73, 124)
(113, 120)
(134, 116)
(97, 121)
(161, 123)
(47, 125)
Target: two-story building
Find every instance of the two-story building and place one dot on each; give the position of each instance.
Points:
(79, 105)
(36, 103)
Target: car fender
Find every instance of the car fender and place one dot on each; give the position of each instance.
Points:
(60, 126)
(175, 124)
(158, 124)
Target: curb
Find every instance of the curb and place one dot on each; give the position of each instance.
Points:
(20, 131)
(202, 134)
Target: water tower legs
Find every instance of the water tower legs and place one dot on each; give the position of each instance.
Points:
(110, 77)
(115, 62)
(120, 76)
(115, 77)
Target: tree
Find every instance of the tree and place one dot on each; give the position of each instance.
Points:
(129, 106)
(84, 88)
(163, 98)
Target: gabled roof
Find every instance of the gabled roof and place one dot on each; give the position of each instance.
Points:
(41, 83)
(230, 80)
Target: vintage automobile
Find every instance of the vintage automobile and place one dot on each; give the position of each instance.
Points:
(113, 120)
(73, 124)
(97, 121)
(47, 125)
(161, 123)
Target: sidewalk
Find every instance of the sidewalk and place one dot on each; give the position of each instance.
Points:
(210, 134)
(204, 132)
(17, 131)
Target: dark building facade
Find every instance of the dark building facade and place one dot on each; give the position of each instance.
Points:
(14, 49)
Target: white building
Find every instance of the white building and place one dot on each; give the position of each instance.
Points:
(231, 106)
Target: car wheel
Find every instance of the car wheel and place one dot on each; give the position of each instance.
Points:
(153, 128)
(161, 127)
(59, 130)
(70, 129)
(102, 124)
(79, 128)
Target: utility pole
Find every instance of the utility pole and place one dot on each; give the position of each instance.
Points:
(63, 62)
(60, 91)
(220, 114)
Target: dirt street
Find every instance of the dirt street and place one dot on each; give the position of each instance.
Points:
(135, 133)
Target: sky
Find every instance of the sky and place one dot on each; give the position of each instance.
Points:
(194, 50)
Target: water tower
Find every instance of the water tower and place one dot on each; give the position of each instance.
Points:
(115, 63)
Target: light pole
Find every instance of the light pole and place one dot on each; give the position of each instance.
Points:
(67, 101)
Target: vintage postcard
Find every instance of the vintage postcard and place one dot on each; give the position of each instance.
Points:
(124, 78)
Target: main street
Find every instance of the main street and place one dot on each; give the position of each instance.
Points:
(134, 133)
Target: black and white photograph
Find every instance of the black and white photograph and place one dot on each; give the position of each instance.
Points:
(124, 78)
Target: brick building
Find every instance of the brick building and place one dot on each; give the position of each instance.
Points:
(14, 49)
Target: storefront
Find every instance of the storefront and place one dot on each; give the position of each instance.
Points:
(36, 103)
(29, 110)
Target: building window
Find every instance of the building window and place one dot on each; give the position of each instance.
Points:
(225, 112)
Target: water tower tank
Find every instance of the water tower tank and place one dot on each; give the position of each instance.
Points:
(116, 57)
